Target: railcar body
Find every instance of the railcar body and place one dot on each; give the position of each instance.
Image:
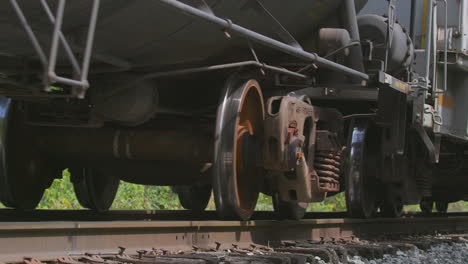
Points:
(299, 101)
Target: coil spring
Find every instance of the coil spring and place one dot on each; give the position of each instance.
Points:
(327, 166)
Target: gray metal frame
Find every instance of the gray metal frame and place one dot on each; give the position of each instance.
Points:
(58, 38)
(229, 26)
(449, 54)
(200, 10)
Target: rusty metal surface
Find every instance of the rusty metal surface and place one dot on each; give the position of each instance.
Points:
(52, 239)
(302, 148)
(290, 137)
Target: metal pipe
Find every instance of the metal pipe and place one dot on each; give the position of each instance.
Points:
(446, 47)
(55, 41)
(228, 25)
(90, 40)
(69, 50)
(30, 33)
(54, 78)
(430, 13)
(66, 46)
(434, 29)
(356, 58)
(446, 35)
(413, 20)
(206, 69)
(225, 66)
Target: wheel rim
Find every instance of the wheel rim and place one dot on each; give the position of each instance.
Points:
(249, 127)
(24, 173)
(239, 132)
(361, 182)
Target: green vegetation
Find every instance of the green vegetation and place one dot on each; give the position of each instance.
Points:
(61, 195)
(133, 196)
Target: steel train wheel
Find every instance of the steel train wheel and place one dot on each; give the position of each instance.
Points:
(361, 173)
(94, 190)
(24, 172)
(426, 205)
(289, 210)
(239, 131)
(441, 206)
(194, 198)
(392, 204)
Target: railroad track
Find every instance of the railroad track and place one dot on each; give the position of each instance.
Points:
(135, 241)
(135, 215)
(10, 215)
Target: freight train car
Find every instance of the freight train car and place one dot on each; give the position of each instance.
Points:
(299, 100)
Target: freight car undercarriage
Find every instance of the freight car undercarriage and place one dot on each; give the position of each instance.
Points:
(351, 117)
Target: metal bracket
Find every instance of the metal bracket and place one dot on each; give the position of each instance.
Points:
(433, 150)
(392, 105)
(50, 63)
(436, 117)
(389, 81)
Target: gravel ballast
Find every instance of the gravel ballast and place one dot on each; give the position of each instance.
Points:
(438, 254)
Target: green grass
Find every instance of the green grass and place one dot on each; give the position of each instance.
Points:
(61, 195)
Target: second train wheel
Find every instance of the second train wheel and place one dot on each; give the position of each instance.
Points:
(441, 206)
(392, 202)
(362, 168)
(237, 174)
(426, 205)
(194, 198)
(24, 172)
(94, 190)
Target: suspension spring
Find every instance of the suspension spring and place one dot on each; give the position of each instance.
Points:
(327, 166)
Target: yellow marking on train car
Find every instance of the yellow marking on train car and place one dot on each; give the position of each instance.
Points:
(401, 85)
(445, 101)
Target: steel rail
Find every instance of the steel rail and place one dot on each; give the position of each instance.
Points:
(52, 239)
(229, 26)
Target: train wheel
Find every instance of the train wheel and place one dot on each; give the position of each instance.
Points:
(194, 198)
(392, 205)
(24, 172)
(441, 206)
(426, 205)
(239, 131)
(289, 210)
(94, 190)
(361, 173)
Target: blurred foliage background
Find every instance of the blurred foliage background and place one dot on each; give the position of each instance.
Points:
(61, 195)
